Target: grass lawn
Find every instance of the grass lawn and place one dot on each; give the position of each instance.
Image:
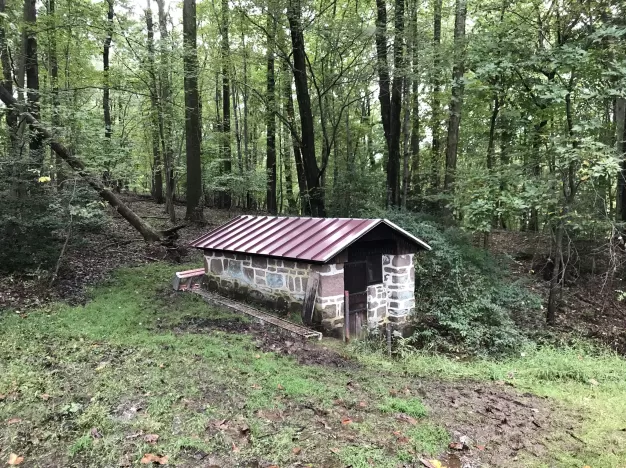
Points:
(142, 370)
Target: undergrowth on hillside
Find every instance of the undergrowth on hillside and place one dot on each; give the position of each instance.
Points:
(466, 302)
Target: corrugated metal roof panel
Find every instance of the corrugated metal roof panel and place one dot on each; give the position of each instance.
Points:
(312, 239)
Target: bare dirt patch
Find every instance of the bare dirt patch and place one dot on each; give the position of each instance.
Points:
(496, 423)
(268, 338)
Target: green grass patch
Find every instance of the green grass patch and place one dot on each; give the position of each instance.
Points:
(411, 406)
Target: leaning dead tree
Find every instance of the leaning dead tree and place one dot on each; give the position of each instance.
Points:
(147, 231)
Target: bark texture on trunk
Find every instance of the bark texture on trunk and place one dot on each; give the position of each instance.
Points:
(157, 169)
(193, 135)
(314, 195)
(620, 146)
(295, 143)
(166, 113)
(225, 198)
(456, 103)
(7, 82)
(270, 117)
(106, 98)
(384, 80)
(31, 67)
(435, 122)
(395, 125)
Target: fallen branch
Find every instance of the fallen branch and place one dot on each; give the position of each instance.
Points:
(147, 231)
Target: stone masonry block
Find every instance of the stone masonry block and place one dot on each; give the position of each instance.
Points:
(217, 266)
(331, 285)
(401, 260)
(259, 262)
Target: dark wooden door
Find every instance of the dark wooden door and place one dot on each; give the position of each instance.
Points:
(355, 279)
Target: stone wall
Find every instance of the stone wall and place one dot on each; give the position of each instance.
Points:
(376, 305)
(277, 283)
(399, 283)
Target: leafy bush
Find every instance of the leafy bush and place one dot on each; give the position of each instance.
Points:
(34, 225)
(465, 300)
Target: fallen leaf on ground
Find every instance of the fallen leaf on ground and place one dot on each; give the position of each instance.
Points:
(457, 445)
(593, 382)
(406, 418)
(334, 450)
(296, 450)
(431, 463)
(480, 447)
(134, 436)
(362, 404)
(256, 387)
(258, 356)
(151, 438)
(95, 433)
(235, 448)
(44, 397)
(13, 421)
(152, 458)
(14, 459)
(346, 421)
(279, 387)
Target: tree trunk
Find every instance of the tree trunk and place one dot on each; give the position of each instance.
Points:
(31, 67)
(291, 119)
(225, 198)
(456, 103)
(395, 125)
(436, 99)
(53, 66)
(7, 82)
(553, 302)
(166, 114)
(620, 147)
(106, 99)
(148, 233)
(415, 123)
(311, 170)
(270, 117)
(193, 131)
(384, 81)
(157, 177)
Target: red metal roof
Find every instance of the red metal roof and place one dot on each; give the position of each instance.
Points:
(312, 239)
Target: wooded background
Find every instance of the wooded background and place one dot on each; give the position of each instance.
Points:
(488, 114)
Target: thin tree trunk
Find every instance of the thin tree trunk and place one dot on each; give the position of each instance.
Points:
(166, 113)
(31, 67)
(148, 233)
(270, 116)
(384, 81)
(157, 178)
(456, 103)
(620, 147)
(58, 176)
(225, 199)
(415, 123)
(193, 130)
(436, 98)
(7, 82)
(106, 100)
(314, 195)
(395, 125)
(291, 118)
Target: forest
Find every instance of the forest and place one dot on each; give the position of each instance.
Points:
(494, 130)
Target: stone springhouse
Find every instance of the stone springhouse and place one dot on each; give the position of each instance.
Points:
(270, 260)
